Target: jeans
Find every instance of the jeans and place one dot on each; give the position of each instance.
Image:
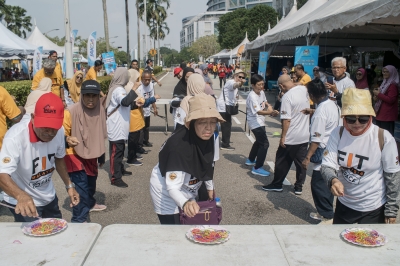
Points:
(86, 187)
(51, 210)
(226, 129)
(323, 198)
(284, 159)
(260, 147)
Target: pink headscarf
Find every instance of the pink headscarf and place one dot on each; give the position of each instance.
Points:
(393, 79)
(363, 82)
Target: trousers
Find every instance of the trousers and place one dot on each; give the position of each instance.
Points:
(86, 187)
(226, 128)
(322, 196)
(260, 147)
(117, 150)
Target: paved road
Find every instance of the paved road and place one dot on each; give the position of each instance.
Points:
(243, 200)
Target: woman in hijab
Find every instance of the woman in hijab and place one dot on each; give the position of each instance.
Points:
(118, 104)
(73, 87)
(185, 162)
(360, 165)
(386, 106)
(85, 122)
(43, 88)
(362, 79)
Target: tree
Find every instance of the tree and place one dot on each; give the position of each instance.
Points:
(205, 46)
(233, 26)
(106, 24)
(301, 3)
(4, 9)
(16, 19)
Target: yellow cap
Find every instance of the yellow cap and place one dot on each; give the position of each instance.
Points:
(357, 102)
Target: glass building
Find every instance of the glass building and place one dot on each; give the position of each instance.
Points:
(228, 5)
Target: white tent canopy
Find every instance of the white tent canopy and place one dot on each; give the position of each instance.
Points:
(38, 39)
(11, 44)
(231, 53)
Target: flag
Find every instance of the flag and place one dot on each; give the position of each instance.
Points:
(37, 59)
(91, 49)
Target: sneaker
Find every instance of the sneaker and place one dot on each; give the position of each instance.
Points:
(126, 173)
(147, 144)
(316, 216)
(119, 183)
(139, 157)
(272, 187)
(227, 148)
(135, 163)
(142, 151)
(98, 208)
(260, 171)
(250, 163)
(298, 191)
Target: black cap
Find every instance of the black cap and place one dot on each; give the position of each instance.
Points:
(148, 61)
(90, 86)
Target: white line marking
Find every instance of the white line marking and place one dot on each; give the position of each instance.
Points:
(250, 137)
(236, 120)
(164, 76)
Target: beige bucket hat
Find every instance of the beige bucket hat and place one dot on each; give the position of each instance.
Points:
(357, 102)
(202, 106)
(239, 71)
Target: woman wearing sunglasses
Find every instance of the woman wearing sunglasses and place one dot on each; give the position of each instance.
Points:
(72, 88)
(361, 165)
(386, 106)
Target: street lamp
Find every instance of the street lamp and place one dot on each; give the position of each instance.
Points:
(50, 31)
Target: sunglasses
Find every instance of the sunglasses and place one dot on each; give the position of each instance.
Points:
(241, 77)
(79, 77)
(352, 119)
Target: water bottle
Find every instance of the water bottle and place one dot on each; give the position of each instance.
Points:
(218, 202)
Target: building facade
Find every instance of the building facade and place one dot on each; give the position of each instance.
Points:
(229, 5)
(195, 27)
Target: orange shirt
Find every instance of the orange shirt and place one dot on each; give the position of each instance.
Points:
(55, 78)
(9, 109)
(91, 74)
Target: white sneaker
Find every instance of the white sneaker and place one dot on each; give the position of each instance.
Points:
(316, 216)
(98, 208)
(326, 221)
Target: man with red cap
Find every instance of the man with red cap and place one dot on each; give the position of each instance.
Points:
(178, 73)
(31, 151)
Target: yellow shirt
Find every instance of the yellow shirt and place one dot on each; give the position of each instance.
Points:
(9, 109)
(91, 74)
(67, 130)
(58, 70)
(55, 78)
(136, 120)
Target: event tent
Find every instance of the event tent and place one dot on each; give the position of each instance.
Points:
(38, 39)
(234, 53)
(11, 44)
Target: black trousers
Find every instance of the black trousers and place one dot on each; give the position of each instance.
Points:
(346, 215)
(283, 161)
(220, 82)
(117, 150)
(322, 196)
(226, 129)
(51, 210)
(260, 147)
(146, 129)
(277, 105)
(169, 219)
(387, 125)
(133, 145)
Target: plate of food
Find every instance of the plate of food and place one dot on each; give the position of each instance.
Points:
(45, 227)
(365, 237)
(209, 235)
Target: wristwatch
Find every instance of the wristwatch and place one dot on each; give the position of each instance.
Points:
(72, 185)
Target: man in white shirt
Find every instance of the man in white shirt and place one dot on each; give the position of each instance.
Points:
(31, 151)
(295, 135)
(341, 81)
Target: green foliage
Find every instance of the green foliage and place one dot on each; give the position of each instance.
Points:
(157, 70)
(16, 19)
(205, 46)
(233, 26)
(21, 89)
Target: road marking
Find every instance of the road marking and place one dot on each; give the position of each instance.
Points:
(272, 167)
(164, 76)
(236, 120)
(250, 137)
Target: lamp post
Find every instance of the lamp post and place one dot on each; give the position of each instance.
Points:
(50, 31)
(68, 45)
(145, 29)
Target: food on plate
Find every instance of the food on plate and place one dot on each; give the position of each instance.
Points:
(365, 237)
(47, 227)
(209, 235)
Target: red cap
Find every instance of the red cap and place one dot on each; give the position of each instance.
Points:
(177, 71)
(49, 111)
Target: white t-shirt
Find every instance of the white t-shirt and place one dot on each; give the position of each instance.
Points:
(147, 93)
(361, 165)
(230, 96)
(118, 122)
(325, 119)
(178, 113)
(254, 104)
(342, 84)
(170, 192)
(31, 164)
(293, 102)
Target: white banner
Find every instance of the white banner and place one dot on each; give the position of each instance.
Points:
(37, 59)
(91, 49)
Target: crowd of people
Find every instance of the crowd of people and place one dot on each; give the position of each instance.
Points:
(328, 126)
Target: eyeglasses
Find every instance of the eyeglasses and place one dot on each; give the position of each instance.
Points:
(241, 77)
(352, 119)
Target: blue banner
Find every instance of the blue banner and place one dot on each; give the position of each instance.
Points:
(37, 59)
(109, 62)
(24, 65)
(308, 57)
(262, 64)
(91, 49)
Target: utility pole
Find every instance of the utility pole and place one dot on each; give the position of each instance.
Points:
(145, 31)
(106, 24)
(68, 45)
(127, 33)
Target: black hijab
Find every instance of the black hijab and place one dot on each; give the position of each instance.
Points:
(185, 151)
(181, 87)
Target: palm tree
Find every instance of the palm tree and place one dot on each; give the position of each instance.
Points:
(106, 25)
(4, 9)
(127, 30)
(17, 21)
